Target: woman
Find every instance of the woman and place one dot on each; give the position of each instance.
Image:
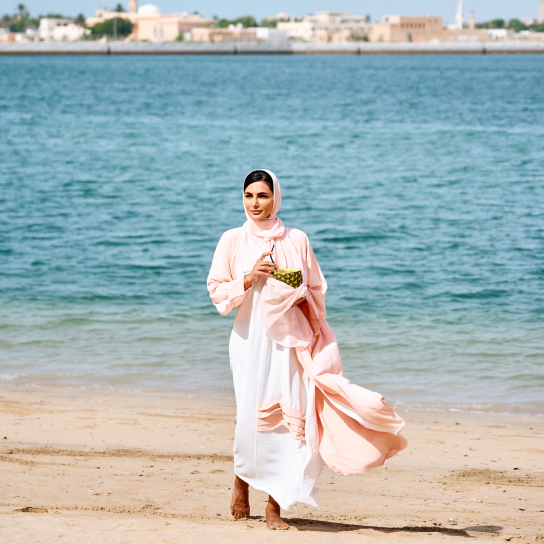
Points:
(294, 407)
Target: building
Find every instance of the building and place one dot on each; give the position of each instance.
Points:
(69, 32)
(48, 25)
(403, 28)
(326, 26)
(500, 34)
(540, 15)
(149, 24)
(17, 37)
(6, 36)
(421, 28)
(60, 30)
(459, 16)
(282, 16)
(238, 34)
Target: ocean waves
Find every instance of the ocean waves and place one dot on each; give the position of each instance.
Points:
(418, 180)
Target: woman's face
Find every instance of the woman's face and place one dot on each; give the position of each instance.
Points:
(258, 200)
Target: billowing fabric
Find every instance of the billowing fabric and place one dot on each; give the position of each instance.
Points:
(356, 429)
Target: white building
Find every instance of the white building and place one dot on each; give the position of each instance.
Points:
(459, 19)
(61, 30)
(69, 32)
(498, 33)
(326, 26)
(14, 37)
(459, 16)
(541, 12)
(272, 35)
(48, 25)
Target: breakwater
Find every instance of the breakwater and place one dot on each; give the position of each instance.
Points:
(350, 48)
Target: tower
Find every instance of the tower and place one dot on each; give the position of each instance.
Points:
(459, 16)
(471, 24)
(133, 7)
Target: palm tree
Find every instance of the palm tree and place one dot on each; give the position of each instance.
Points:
(23, 12)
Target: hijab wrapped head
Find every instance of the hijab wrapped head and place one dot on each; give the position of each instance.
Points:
(271, 227)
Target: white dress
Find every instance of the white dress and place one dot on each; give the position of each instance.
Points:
(265, 374)
(278, 445)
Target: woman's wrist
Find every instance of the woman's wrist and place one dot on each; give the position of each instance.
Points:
(248, 281)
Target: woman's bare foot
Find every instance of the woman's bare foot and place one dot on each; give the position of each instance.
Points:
(239, 505)
(273, 520)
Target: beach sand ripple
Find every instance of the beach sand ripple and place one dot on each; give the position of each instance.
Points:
(102, 466)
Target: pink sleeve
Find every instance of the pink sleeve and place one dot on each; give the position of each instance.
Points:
(226, 291)
(316, 283)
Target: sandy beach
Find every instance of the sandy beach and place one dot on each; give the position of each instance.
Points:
(90, 465)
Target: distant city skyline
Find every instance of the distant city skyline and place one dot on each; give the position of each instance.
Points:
(484, 9)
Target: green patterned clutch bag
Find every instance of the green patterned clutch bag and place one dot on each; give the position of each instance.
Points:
(290, 276)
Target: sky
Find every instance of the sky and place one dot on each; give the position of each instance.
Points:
(484, 9)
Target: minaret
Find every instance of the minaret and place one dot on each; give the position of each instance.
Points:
(459, 16)
(472, 25)
(133, 6)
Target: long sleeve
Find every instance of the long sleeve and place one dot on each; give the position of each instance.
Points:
(226, 291)
(317, 285)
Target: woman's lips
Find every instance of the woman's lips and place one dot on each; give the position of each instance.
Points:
(256, 212)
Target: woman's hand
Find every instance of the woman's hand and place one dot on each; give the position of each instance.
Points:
(299, 301)
(261, 268)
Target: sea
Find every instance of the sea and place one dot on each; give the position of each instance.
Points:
(418, 179)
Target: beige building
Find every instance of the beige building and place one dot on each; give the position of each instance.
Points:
(402, 28)
(152, 25)
(421, 28)
(540, 15)
(326, 26)
(238, 35)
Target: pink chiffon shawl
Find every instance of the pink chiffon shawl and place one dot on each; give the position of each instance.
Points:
(358, 430)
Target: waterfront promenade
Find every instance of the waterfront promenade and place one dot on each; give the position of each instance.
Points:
(350, 48)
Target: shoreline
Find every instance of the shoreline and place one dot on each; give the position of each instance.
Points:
(148, 467)
(349, 48)
(495, 408)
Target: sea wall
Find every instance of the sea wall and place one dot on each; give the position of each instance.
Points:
(350, 48)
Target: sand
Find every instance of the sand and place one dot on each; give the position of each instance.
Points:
(80, 465)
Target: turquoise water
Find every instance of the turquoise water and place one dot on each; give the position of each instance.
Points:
(419, 180)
